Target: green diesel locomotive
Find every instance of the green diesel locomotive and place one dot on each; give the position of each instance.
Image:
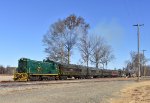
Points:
(35, 70)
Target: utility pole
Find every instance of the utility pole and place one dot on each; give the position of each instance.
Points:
(138, 37)
(143, 63)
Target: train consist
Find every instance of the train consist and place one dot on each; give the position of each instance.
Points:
(31, 70)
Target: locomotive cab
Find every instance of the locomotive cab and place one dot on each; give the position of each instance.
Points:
(21, 71)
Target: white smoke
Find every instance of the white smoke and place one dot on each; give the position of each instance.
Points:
(111, 30)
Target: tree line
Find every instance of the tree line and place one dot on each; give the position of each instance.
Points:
(66, 34)
(7, 70)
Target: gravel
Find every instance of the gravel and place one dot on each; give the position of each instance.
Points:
(68, 92)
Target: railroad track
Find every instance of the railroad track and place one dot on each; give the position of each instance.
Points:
(18, 84)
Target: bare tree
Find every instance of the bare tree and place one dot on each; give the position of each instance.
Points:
(107, 55)
(85, 49)
(74, 26)
(97, 53)
(134, 61)
(63, 36)
(55, 42)
(94, 49)
(86, 46)
(2, 69)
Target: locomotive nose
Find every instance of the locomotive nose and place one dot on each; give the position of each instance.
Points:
(20, 77)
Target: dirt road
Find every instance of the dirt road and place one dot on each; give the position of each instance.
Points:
(92, 91)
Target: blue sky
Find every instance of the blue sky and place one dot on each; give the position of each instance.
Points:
(24, 22)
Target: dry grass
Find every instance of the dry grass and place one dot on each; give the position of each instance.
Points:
(136, 93)
(6, 78)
